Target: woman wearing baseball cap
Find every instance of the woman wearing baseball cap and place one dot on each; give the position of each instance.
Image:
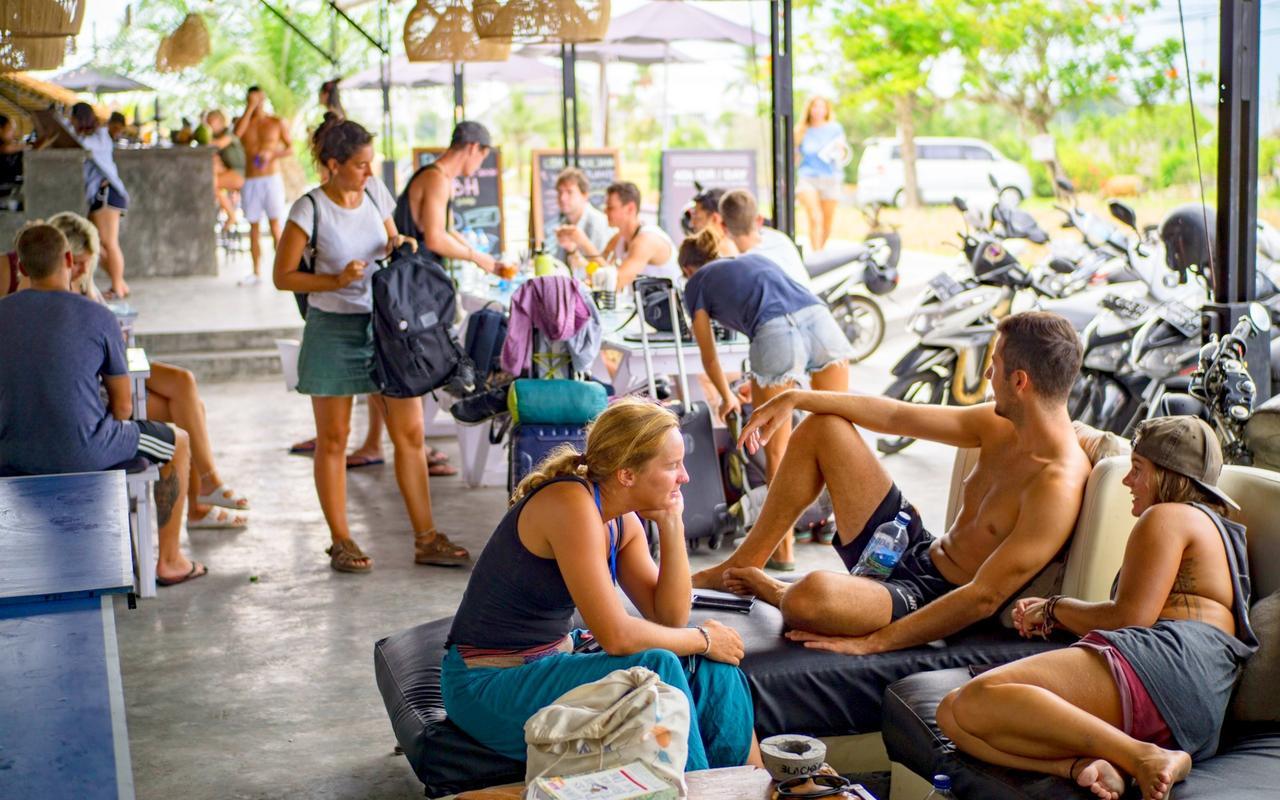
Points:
(1144, 691)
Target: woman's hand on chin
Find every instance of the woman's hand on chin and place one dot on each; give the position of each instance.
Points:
(669, 517)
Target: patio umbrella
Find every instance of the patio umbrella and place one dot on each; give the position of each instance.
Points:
(605, 53)
(665, 21)
(97, 81)
(517, 69)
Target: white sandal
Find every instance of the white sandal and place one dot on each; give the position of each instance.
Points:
(219, 518)
(218, 497)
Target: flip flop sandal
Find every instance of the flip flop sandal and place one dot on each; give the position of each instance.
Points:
(219, 518)
(435, 456)
(803, 535)
(440, 469)
(826, 532)
(345, 556)
(356, 462)
(303, 448)
(218, 497)
(780, 566)
(197, 570)
(435, 549)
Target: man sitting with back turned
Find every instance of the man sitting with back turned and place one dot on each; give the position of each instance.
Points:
(745, 227)
(1018, 505)
(57, 344)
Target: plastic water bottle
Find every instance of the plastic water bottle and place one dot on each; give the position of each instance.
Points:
(885, 549)
(941, 788)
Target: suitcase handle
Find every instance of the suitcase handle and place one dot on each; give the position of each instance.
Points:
(673, 298)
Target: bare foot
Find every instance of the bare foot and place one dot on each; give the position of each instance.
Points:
(1101, 778)
(1158, 770)
(753, 580)
(711, 577)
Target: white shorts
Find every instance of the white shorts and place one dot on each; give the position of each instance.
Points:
(262, 197)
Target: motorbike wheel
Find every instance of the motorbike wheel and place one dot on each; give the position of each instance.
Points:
(927, 388)
(862, 322)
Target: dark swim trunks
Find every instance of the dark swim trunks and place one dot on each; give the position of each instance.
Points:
(915, 582)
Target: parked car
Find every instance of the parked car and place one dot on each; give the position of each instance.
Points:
(946, 167)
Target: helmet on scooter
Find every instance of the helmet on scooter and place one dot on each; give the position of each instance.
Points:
(1187, 234)
(880, 280)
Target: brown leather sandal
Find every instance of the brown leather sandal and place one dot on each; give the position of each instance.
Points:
(346, 556)
(434, 548)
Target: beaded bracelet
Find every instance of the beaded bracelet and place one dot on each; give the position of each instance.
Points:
(706, 637)
(1050, 617)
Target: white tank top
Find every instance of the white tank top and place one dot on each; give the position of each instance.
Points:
(669, 269)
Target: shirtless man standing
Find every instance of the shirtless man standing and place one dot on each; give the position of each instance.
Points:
(637, 249)
(1019, 504)
(266, 140)
(425, 206)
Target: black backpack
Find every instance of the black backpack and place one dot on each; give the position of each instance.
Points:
(413, 307)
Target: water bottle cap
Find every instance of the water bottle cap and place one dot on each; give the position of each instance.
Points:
(942, 783)
(903, 519)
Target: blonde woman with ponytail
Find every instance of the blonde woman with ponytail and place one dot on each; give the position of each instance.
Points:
(573, 535)
(793, 336)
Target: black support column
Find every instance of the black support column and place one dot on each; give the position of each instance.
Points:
(569, 101)
(780, 70)
(1235, 251)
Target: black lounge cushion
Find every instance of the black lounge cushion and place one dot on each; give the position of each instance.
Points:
(833, 258)
(446, 760)
(798, 690)
(1247, 766)
(795, 691)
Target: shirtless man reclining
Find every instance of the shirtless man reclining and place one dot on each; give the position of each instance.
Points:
(1019, 504)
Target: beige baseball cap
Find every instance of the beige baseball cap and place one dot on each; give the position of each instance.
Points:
(1185, 445)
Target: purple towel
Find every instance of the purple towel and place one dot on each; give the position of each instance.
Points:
(551, 305)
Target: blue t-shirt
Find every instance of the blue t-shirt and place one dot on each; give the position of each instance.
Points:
(745, 292)
(816, 160)
(55, 346)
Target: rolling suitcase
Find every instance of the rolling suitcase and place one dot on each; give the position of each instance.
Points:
(706, 516)
(531, 443)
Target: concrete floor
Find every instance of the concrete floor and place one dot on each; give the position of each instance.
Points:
(256, 681)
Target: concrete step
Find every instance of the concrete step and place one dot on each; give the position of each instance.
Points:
(216, 341)
(221, 366)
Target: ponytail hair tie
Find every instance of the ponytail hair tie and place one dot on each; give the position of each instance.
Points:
(581, 460)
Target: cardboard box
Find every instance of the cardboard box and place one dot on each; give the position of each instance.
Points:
(631, 782)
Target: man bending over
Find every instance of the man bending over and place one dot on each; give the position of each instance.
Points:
(1019, 504)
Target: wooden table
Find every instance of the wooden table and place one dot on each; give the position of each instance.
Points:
(66, 552)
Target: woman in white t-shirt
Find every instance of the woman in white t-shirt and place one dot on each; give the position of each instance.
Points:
(349, 215)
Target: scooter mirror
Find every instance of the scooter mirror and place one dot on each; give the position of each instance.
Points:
(995, 184)
(959, 203)
(1066, 185)
(1123, 213)
(1260, 317)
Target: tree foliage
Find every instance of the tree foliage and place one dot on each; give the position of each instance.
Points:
(1038, 57)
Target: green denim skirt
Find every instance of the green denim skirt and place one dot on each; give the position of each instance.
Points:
(336, 359)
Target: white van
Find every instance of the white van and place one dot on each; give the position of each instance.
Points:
(945, 167)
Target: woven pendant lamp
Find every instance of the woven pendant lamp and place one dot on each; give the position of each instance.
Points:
(443, 30)
(26, 18)
(185, 47)
(554, 21)
(19, 53)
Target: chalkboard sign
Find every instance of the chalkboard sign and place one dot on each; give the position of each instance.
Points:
(601, 167)
(713, 169)
(477, 201)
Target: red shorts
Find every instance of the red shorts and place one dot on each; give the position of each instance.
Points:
(1142, 720)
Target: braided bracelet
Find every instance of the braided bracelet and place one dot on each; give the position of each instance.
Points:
(1050, 617)
(706, 637)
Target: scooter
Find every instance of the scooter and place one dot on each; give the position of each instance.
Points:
(844, 278)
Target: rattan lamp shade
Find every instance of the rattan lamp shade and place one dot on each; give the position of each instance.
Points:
(185, 47)
(26, 18)
(19, 53)
(443, 30)
(555, 21)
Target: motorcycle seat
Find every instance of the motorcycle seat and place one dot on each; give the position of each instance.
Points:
(833, 258)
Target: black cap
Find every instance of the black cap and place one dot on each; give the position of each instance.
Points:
(468, 132)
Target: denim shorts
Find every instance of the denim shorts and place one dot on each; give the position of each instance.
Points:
(789, 347)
